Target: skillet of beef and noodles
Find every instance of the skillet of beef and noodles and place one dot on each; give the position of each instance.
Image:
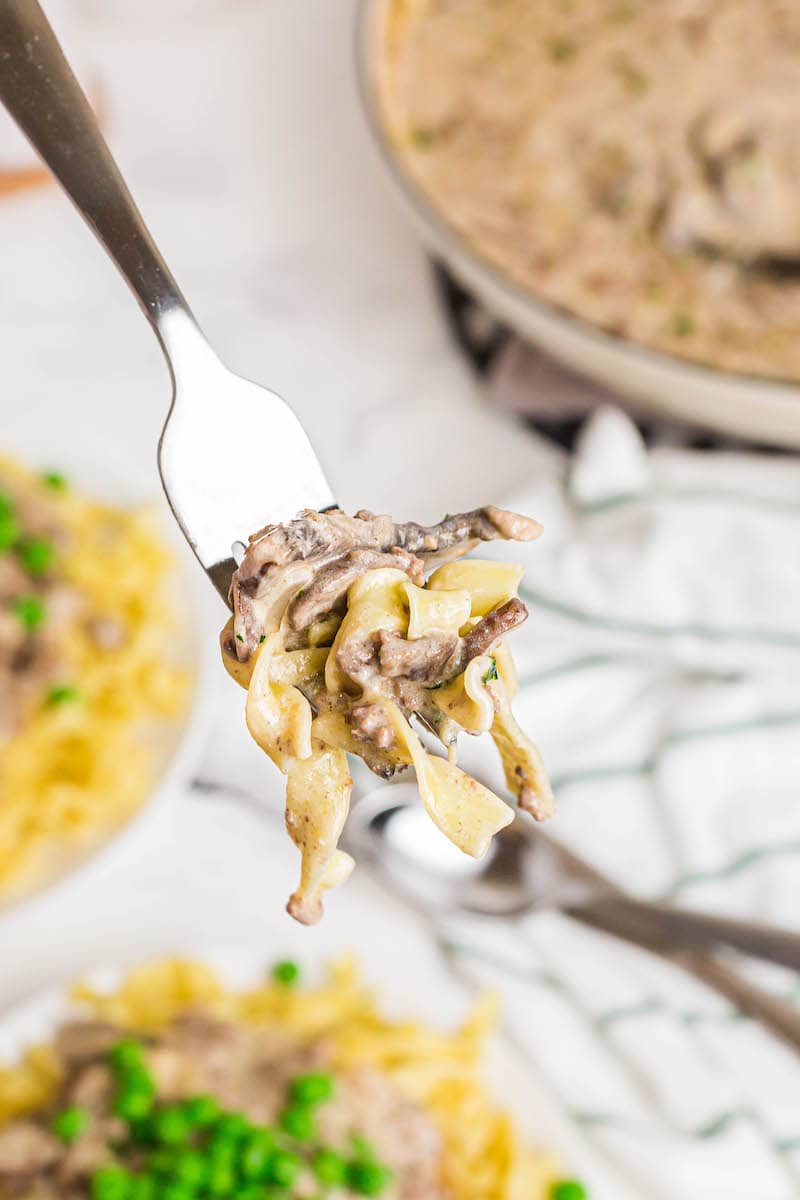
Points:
(634, 163)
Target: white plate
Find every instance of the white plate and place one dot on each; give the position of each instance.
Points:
(748, 406)
(182, 739)
(437, 1000)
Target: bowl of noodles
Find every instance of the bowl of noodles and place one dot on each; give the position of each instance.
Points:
(232, 1077)
(97, 673)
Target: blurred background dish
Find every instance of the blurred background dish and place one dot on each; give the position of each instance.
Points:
(688, 308)
(424, 1063)
(98, 664)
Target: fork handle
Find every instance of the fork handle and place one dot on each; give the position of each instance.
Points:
(43, 96)
(767, 942)
(775, 1014)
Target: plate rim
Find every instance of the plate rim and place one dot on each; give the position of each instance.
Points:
(185, 747)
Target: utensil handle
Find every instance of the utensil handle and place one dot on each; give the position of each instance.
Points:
(750, 937)
(772, 1012)
(43, 96)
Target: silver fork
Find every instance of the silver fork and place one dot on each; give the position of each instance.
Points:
(232, 455)
(527, 871)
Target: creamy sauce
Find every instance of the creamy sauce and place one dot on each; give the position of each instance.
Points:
(636, 163)
(342, 642)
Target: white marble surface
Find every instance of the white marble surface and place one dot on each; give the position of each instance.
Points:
(240, 132)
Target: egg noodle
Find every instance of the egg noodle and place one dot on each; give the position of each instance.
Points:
(484, 1157)
(309, 743)
(72, 772)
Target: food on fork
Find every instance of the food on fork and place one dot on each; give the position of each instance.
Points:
(356, 634)
(174, 1086)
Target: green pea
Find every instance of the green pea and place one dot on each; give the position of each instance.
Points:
(6, 505)
(140, 1131)
(143, 1187)
(286, 973)
(37, 555)
(298, 1121)
(284, 1168)
(568, 1189)
(190, 1169)
(69, 1124)
(368, 1178)
(138, 1079)
(222, 1150)
(330, 1168)
(161, 1162)
(313, 1088)
(10, 530)
(171, 1126)
(134, 1104)
(111, 1183)
(29, 611)
(232, 1125)
(221, 1180)
(126, 1055)
(174, 1191)
(256, 1155)
(54, 480)
(201, 1111)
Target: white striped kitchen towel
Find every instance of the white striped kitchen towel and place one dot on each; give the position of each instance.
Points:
(660, 674)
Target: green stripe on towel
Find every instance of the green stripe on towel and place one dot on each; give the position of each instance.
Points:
(650, 629)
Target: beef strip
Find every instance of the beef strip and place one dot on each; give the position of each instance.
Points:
(422, 660)
(332, 582)
(284, 559)
(368, 723)
(25, 1150)
(742, 147)
(492, 627)
(531, 802)
(436, 657)
(90, 1087)
(80, 1042)
(80, 1160)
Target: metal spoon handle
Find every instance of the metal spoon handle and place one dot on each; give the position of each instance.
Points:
(750, 937)
(775, 1014)
(43, 96)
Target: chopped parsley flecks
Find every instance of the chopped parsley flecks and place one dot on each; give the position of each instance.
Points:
(491, 674)
(561, 50)
(55, 480)
(37, 555)
(682, 324)
(62, 693)
(422, 139)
